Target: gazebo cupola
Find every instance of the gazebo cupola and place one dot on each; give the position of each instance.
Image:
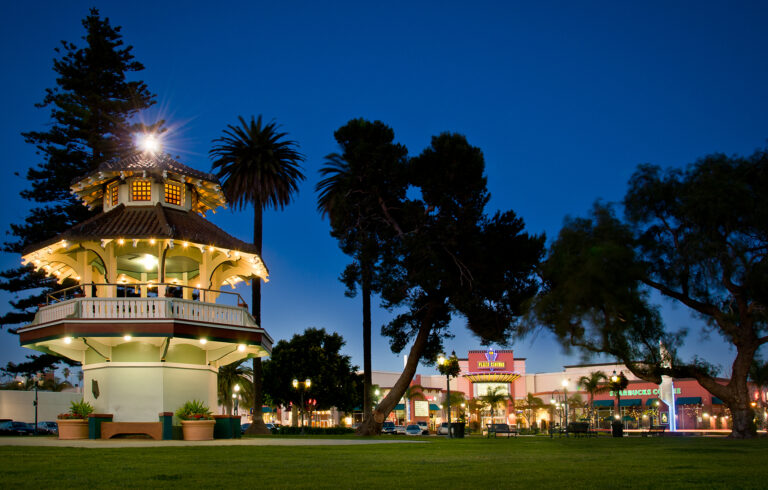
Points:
(151, 308)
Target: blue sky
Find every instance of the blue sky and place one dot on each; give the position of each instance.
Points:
(564, 99)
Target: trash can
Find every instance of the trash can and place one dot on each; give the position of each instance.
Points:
(617, 428)
(236, 431)
(223, 427)
(458, 429)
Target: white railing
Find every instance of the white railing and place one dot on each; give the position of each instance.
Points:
(144, 309)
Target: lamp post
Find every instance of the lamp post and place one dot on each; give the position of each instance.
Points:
(618, 383)
(37, 384)
(236, 399)
(565, 404)
(552, 417)
(304, 387)
(449, 367)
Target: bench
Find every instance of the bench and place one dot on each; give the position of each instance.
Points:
(655, 430)
(151, 429)
(501, 429)
(580, 429)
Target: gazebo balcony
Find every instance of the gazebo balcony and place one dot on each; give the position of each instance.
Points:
(143, 302)
(148, 313)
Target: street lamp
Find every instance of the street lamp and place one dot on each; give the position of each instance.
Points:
(552, 417)
(304, 387)
(449, 367)
(37, 383)
(565, 404)
(236, 398)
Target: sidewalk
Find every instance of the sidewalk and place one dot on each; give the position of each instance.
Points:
(256, 441)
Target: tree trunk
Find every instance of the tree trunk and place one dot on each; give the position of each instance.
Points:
(257, 426)
(372, 425)
(367, 370)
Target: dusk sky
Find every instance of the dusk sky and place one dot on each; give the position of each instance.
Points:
(565, 99)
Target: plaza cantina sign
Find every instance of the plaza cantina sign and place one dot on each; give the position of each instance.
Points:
(491, 363)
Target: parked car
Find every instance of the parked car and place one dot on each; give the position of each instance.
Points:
(388, 428)
(443, 429)
(244, 427)
(400, 429)
(414, 430)
(424, 428)
(271, 426)
(48, 427)
(11, 428)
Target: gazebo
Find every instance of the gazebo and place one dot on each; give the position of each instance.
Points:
(148, 318)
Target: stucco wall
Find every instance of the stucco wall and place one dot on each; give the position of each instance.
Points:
(133, 392)
(18, 405)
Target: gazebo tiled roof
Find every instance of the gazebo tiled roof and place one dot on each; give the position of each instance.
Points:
(90, 187)
(142, 222)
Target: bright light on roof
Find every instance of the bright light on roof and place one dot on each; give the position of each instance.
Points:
(148, 143)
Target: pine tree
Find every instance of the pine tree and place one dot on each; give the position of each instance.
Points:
(91, 109)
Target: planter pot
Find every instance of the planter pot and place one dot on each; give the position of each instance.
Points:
(73, 428)
(198, 430)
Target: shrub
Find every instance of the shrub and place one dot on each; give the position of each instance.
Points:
(78, 410)
(194, 410)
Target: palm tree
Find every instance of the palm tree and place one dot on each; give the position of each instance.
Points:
(493, 398)
(529, 405)
(66, 373)
(593, 385)
(354, 183)
(257, 166)
(231, 375)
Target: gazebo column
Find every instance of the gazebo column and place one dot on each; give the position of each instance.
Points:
(111, 269)
(85, 272)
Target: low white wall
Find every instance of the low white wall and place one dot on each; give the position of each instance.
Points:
(137, 392)
(18, 405)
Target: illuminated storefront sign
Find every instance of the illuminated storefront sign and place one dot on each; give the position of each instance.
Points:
(649, 392)
(490, 361)
(488, 364)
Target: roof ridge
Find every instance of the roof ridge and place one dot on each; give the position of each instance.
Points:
(160, 211)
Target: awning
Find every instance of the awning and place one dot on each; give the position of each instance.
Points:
(400, 406)
(688, 400)
(602, 403)
(716, 401)
(651, 402)
(628, 418)
(631, 402)
(266, 410)
(434, 407)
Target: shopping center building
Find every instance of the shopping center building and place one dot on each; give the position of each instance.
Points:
(484, 370)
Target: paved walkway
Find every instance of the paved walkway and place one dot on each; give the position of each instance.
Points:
(256, 441)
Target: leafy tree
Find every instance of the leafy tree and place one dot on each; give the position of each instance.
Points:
(314, 355)
(529, 405)
(257, 166)
(363, 181)
(91, 108)
(493, 398)
(450, 259)
(697, 236)
(231, 375)
(593, 384)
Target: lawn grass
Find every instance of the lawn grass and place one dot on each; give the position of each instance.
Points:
(464, 463)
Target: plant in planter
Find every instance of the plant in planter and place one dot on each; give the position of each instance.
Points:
(74, 424)
(196, 421)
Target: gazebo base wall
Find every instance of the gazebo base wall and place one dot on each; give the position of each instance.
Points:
(137, 392)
